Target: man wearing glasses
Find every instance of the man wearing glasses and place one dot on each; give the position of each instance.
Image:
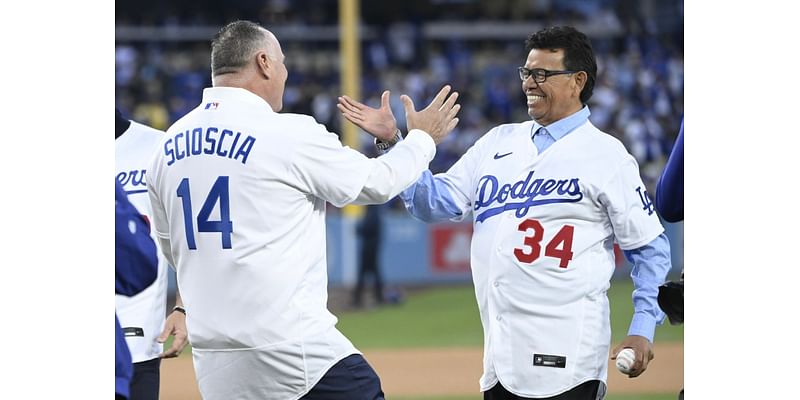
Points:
(548, 198)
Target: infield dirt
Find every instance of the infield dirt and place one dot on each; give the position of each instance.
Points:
(448, 372)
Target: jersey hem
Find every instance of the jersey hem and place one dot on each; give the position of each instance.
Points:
(325, 370)
(524, 394)
(201, 349)
(491, 385)
(145, 358)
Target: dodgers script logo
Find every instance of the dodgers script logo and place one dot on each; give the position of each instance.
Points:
(133, 181)
(532, 192)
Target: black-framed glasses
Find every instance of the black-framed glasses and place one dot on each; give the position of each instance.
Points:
(540, 75)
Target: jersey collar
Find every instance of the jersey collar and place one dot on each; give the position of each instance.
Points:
(219, 94)
(562, 127)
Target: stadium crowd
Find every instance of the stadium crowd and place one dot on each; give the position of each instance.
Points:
(639, 45)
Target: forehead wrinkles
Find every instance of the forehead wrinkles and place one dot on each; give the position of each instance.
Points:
(545, 58)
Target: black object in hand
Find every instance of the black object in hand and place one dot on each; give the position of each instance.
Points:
(670, 299)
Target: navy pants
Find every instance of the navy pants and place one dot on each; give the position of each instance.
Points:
(368, 265)
(349, 379)
(584, 391)
(146, 378)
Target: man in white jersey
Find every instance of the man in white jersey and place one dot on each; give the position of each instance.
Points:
(239, 193)
(142, 316)
(549, 197)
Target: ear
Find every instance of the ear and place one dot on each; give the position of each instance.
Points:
(580, 81)
(263, 64)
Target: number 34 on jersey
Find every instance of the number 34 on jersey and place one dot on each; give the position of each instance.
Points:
(560, 246)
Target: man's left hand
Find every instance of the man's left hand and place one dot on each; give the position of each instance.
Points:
(643, 349)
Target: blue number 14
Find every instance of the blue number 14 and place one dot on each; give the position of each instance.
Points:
(218, 193)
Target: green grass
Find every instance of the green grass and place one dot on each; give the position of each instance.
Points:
(448, 317)
(664, 396)
(622, 310)
(442, 317)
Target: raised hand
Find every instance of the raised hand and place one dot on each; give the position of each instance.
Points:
(378, 122)
(438, 119)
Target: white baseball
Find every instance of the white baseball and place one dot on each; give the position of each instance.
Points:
(625, 360)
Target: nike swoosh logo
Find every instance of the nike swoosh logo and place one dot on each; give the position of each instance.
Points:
(498, 156)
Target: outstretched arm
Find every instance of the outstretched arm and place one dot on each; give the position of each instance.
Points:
(428, 199)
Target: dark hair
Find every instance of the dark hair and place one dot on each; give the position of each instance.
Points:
(578, 53)
(233, 46)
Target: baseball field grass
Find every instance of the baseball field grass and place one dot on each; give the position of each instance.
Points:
(433, 340)
(448, 317)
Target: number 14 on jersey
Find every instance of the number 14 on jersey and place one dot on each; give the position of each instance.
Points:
(217, 194)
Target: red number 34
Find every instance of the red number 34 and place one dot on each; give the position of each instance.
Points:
(560, 246)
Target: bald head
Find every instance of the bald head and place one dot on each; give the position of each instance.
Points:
(235, 45)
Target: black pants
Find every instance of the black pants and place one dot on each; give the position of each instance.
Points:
(350, 379)
(368, 265)
(146, 378)
(584, 391)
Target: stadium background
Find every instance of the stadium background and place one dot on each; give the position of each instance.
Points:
(429, 344)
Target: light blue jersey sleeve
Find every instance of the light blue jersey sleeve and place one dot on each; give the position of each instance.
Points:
(430, 200)
(651, 263)
(448, 195)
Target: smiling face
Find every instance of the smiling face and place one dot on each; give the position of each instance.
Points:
(559, 95)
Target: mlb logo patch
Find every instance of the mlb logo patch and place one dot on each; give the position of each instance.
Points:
(211, 106)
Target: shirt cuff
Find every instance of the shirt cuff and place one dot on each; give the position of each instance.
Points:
(425, 140)
(643, 325)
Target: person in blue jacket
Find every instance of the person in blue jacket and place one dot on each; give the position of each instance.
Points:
(669, 191)
(669, 204)
(136, 267)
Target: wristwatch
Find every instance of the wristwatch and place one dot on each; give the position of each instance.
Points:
(383, 146)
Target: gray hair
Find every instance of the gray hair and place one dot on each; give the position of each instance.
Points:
(234, 44)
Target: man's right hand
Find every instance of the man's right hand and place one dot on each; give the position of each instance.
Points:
(438, 119)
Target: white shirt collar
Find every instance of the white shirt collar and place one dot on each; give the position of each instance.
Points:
(221, 93)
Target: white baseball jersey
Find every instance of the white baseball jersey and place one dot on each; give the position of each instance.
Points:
(240, 192)
(141, 316)
(542, 250)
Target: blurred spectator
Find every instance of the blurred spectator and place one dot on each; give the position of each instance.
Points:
(669, 203)
(370, 231)
(639, 55)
